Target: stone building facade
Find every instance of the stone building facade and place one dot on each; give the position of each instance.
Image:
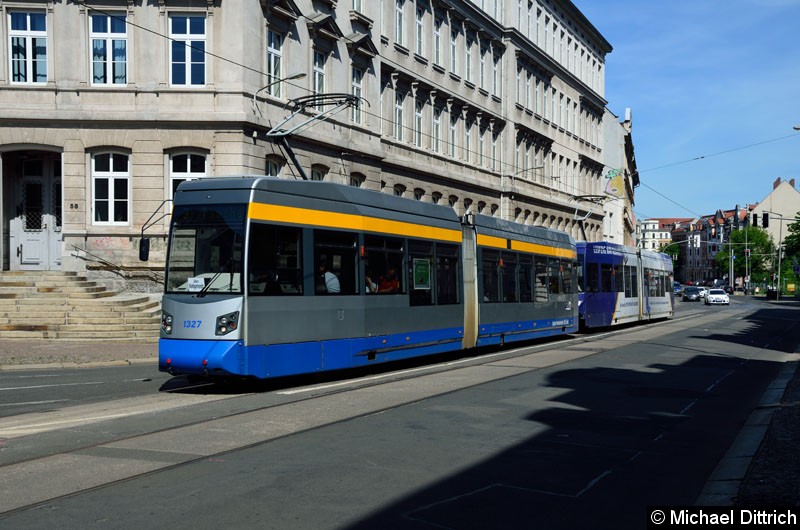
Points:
(492, 106)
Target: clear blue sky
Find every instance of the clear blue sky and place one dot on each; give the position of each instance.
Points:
(718, 79)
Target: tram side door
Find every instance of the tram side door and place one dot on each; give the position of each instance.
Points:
(35, 229)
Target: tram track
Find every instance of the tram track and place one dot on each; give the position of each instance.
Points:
(31, 482)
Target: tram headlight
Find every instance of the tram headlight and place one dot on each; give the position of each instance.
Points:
(227, 323)
(166, 322)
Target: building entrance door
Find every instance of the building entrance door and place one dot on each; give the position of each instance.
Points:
(35, 235)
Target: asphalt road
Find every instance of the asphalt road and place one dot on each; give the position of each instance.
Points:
(574, 433)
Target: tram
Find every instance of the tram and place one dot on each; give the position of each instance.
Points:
(620, 284)
(268, 277)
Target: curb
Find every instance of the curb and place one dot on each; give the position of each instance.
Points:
(722, 486)
(94, 364)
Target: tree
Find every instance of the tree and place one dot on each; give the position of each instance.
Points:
(761, 252)
(791, 253)
(791, 243)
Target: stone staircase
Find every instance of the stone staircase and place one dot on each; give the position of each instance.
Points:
(63, 305)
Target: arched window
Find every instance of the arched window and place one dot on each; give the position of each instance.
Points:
(357, 180)
(274, 166)
(419, 193)
(185, 166)
(399, 190)
(319, 172)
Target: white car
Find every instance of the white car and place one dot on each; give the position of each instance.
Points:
(717, 296)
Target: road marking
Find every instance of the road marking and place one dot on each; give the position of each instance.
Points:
(70, 417)
(32, 403)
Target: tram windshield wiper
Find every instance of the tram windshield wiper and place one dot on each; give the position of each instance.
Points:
(207, 286)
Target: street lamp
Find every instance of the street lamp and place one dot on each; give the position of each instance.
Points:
(292, 77)
(781, 220)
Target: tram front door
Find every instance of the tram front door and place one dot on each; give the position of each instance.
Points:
(35, 237)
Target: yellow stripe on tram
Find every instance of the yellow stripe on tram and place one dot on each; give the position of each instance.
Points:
(531, 248)
(535, 248)
(492, 241)
(304, 216)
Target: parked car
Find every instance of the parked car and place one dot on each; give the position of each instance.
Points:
(727, 288)
(691, 293)
(717, 296)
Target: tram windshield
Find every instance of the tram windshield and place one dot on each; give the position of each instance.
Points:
(206, 249)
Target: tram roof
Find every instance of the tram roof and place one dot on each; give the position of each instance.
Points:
(331, 196)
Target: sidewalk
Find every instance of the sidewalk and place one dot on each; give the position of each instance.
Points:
(19, 354)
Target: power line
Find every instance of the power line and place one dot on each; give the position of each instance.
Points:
(464, 149)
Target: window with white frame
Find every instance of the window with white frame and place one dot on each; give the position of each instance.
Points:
(273, 167)
(437, 130)
(185, 166)
(399, 27)
(495, 159)
(467, 140)
(468, 59)
(110, 193)
(528, 79)
(274, 63)
(437, 41)
(419, 107)
(28, 41)
(187, 35)
(357, 5)
(109, 36)
(419, 31)
(357, 88)
(318, 73)
(454, 51)
(453, 131)
(481, 145)
(357, 180)
(319, 172)
(482, 68)
(399, 101)
(496, 77)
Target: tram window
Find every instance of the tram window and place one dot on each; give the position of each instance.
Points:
(554, 276)
(541, 284)
(566, 277)
(634, 282)
(618, 278)
(650, 283)
(335, 252)
(628, 285)
(508, 274)
(446, 274)
(592, 278)
(490, 262)
(383, 263)
(275, 267)
(605, 278)
(524, 273)
(420, 266)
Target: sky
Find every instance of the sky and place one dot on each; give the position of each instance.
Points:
(714, 92)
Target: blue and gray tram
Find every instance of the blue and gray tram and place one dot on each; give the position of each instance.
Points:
(268, 277)
(620, 284)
